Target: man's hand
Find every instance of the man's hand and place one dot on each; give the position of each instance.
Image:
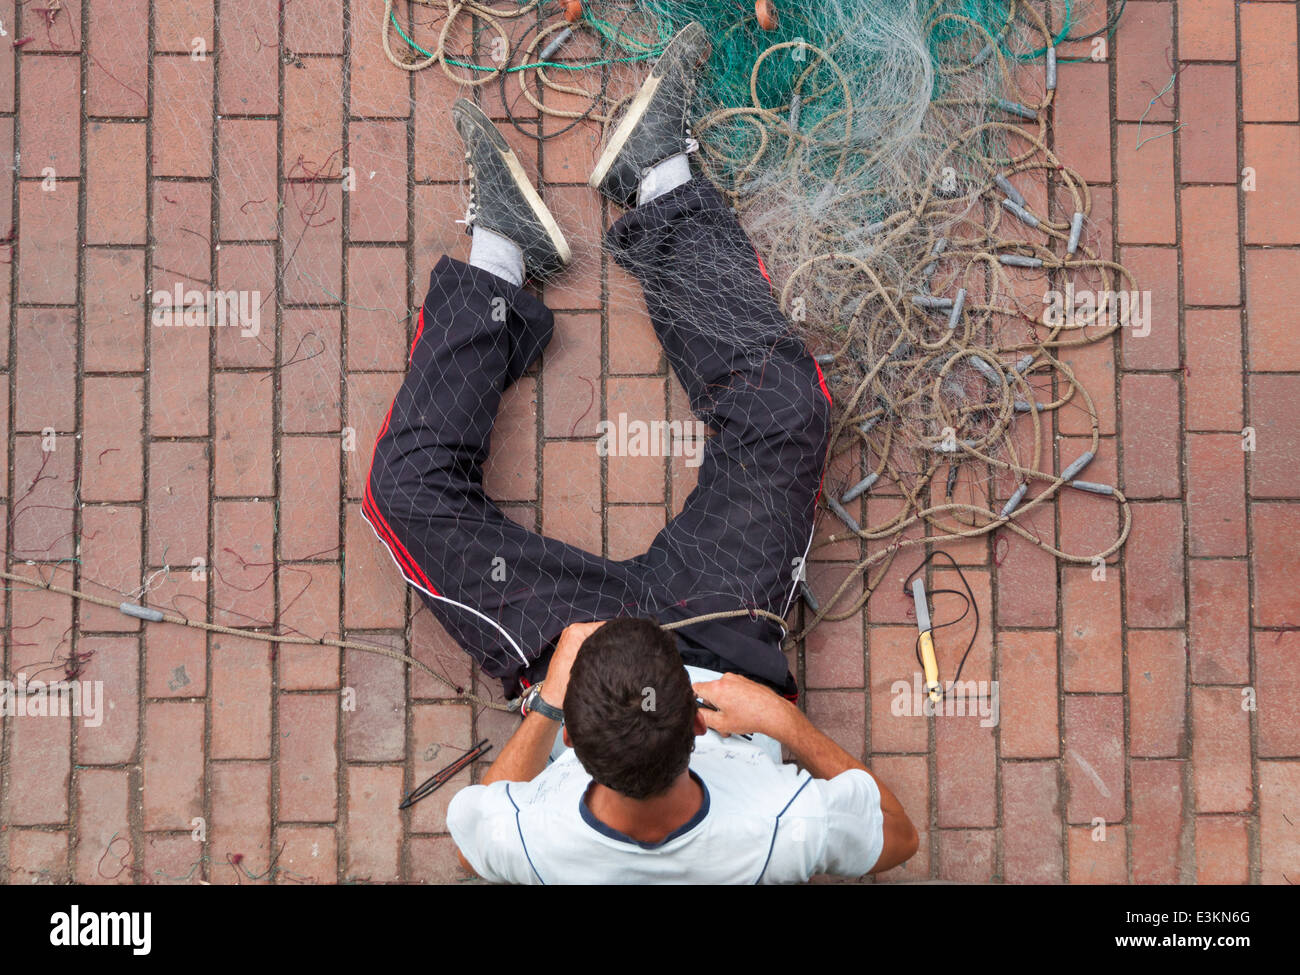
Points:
(566, 651)
(744, 707)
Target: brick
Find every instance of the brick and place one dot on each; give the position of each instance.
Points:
(116, 661)
(633, 345)
(117, 71)
(1274, 346)
(45, 382)
(892, 659)
(1083, 99)
(635, 470)
(1145, 181)
(173, 764)
(1211, 257)
(112, 439)
(113, 316)
(1142, 50)
(377, 88)
(967, 856)
(1213, 339)
(1216, 494)
(437, 208)
(1098, 861)
(632, 529)
(310, 369)
(248, 340)
(1157, 821)
(308, 854)
(571, 493)
(372, 793)
(1222, 850)
(376, 730)
(1276, 656)
(1207, 109)
(175, 658)
(241, 698)
(246, 167)
(1157, 676)
(182, 213)
(1155, 594)
(1268, 63)
(1150, 436)
(1273, 529)
(369, 396)
(115, 183)
(840, 716)
(254, 47)
(1027, 700)
(1091, 645)
(309, 497)
(174, 860)
(433, 859)
(1272, 209)
(965, 762)
(240, 832)
(308, 758)
(1094, 367)
(7, 60)
(433, 646)
(182, 117)
(45, 255)
(317, 29)
(40, 756)
(1155, 272)
(1221, 750)
(312, 243)
(439, 732)
(1206, 30)
(178, 503)
(50, 95)
(102, 825)
(110, 564)
(572, 146)
(571, 384)
(1031, 824)
(43, 488)
(38, 857)
(833, 651)
(177, 26)
(439, 153)
(1272, 411)
(1094, 758)
(908, 778)
(1279, 854)
(1026, 575)
(1219, 630)
(313, 123)
(376, 329)
(580, 211)
(243, 464)
(309, 606)
(375, 596)
(377, 206)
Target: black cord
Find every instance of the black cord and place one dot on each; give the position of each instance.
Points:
(971, 605)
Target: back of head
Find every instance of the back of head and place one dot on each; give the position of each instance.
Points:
(630, 708)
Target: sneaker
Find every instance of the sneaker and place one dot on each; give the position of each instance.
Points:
(501, 197)
(656, 124)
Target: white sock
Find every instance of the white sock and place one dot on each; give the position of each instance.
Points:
(496, 254)
(664, 176)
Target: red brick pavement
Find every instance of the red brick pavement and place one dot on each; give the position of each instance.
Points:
(1148, 724)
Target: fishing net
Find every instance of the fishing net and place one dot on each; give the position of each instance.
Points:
(890, 162)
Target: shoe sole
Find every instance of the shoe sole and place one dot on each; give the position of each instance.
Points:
(540, 210)
(631, 119)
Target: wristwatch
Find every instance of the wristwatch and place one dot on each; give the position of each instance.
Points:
(533, 702)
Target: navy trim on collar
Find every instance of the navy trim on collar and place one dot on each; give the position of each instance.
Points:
(604, 829)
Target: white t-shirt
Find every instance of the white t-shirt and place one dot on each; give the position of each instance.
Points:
(761, 821)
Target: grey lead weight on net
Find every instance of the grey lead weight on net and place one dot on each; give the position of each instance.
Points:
(1014, 500)
(1015, 108)
(939, 247)
(957, 305)
(555, 44)
(1076, 230)
(986, 51)
(141, 612)
(987, 371)
(824, 360)
(1092, 486)
(1007, 187)
(1025, 362)
(877, 227)
(929, 301)
(1051, 67)
(843, 515)
(1021, 214)
(1020, 260)
(808, 596)
(1084, 460)
(1024, 407)
(858, 489)
(866, 426)
(795, 103)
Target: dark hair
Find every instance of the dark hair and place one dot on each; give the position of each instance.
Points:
(630, 708)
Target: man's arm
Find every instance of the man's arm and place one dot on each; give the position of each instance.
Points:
(745, 707)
